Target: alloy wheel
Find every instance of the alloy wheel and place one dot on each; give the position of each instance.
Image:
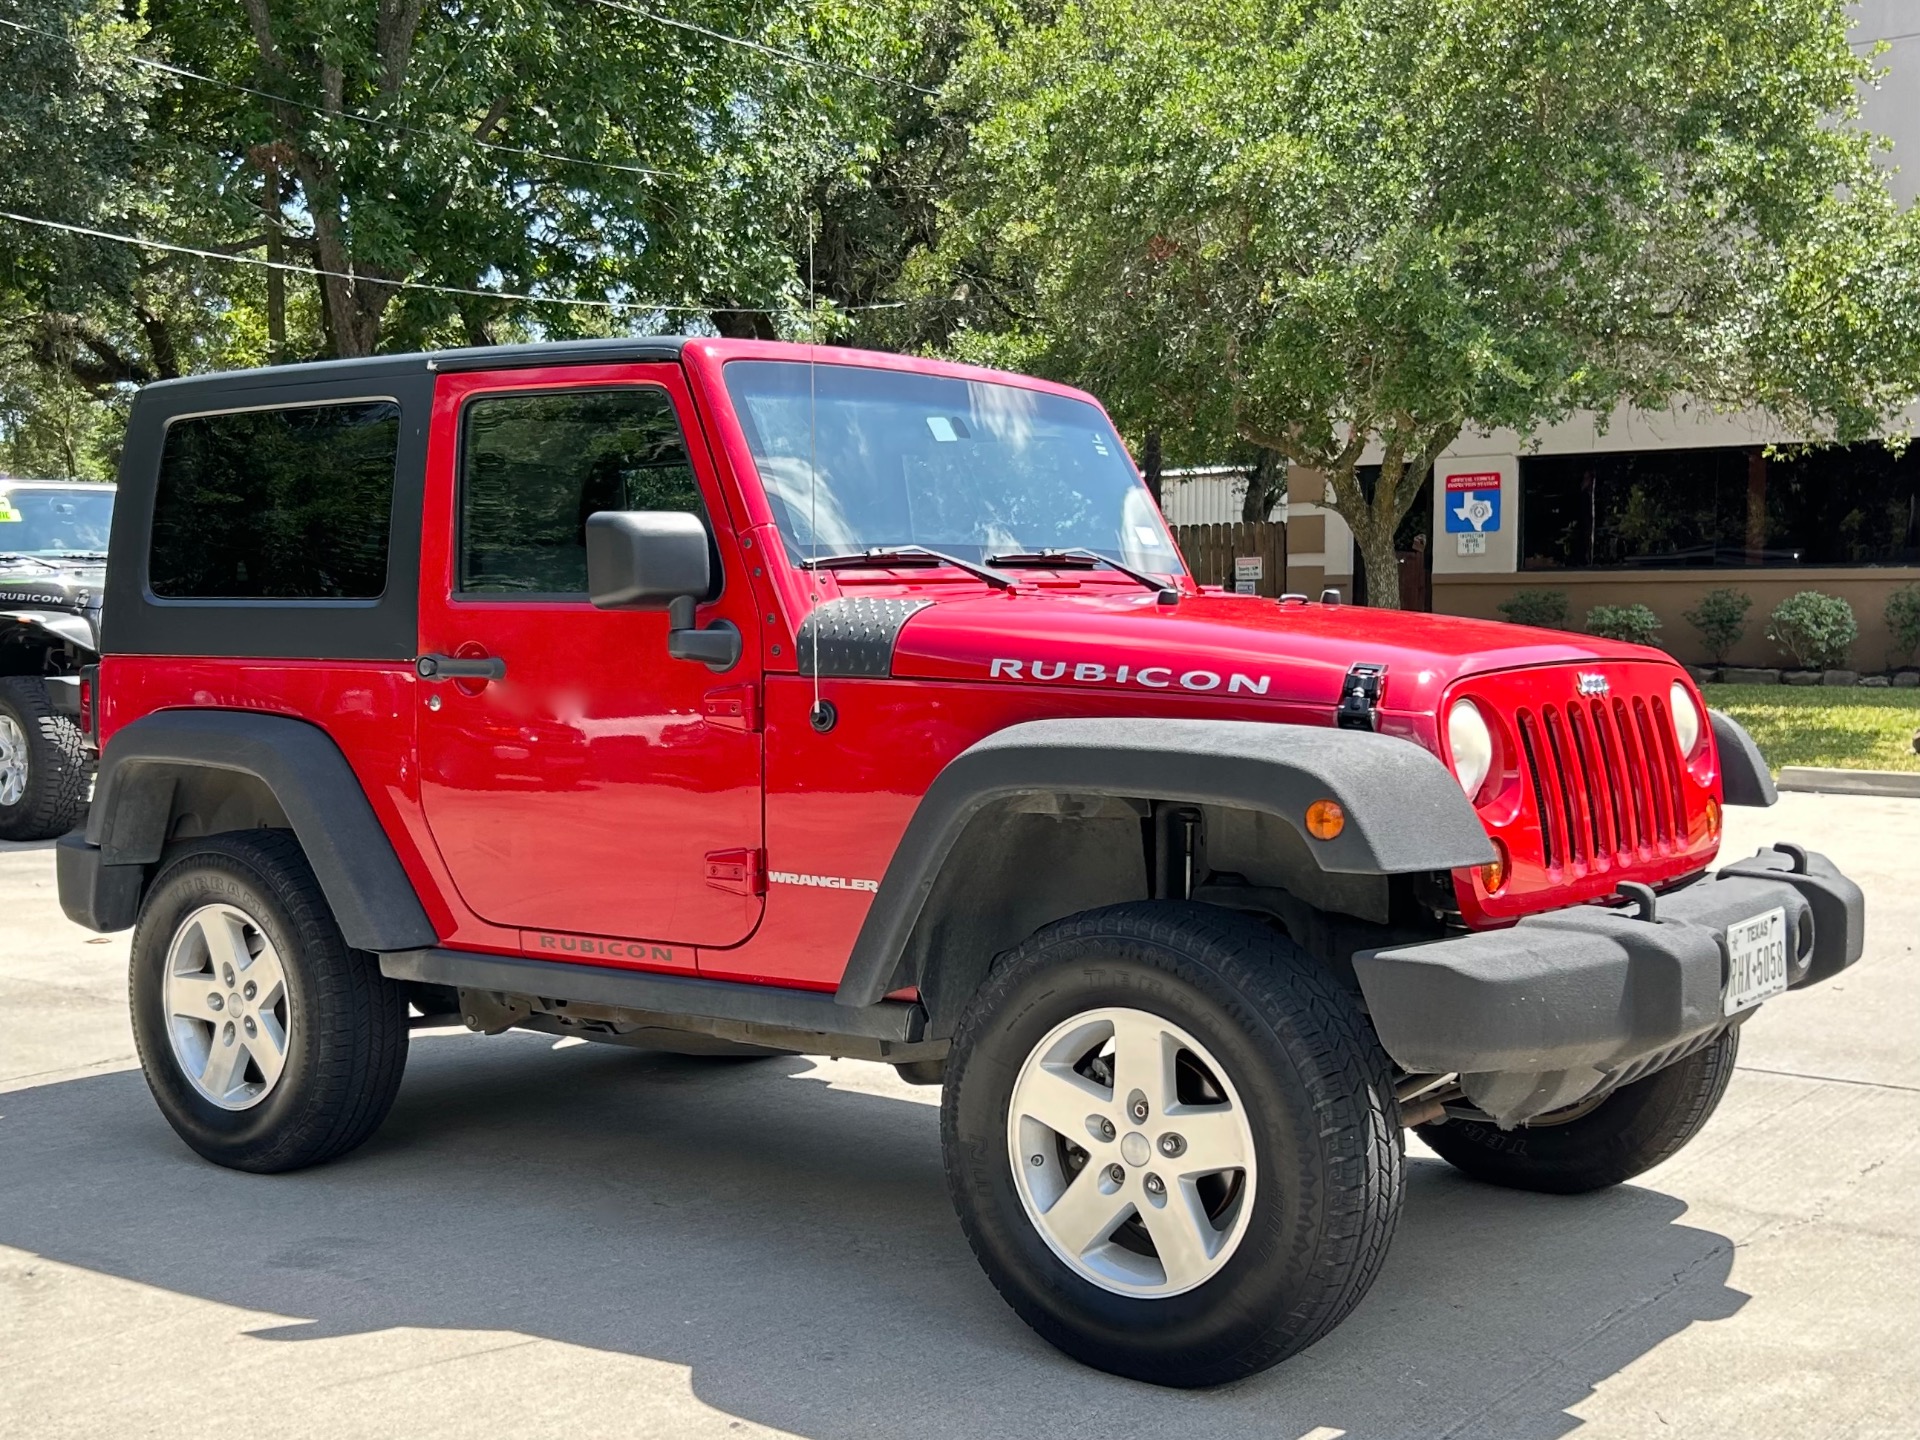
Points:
(1132, 1153)
(13, 761)
(228, 1015)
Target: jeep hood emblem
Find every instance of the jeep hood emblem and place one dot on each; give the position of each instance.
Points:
(1588, 683)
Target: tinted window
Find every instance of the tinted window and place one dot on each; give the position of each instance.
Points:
(536, 466)
(1852, 505)
(284, 504)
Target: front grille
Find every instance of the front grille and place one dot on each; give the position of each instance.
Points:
(1606, 781)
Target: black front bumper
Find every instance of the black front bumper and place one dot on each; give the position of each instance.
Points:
(1542, 1013)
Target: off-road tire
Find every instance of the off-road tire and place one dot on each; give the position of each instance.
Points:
(1317, 1090)
(347, 1036)
(1631, 1131)
(59, 769)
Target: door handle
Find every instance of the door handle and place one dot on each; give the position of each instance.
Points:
(436, 668)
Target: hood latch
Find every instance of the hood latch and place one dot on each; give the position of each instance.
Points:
(1360, 698)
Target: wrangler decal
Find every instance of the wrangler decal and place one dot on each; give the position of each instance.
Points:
(821, 882)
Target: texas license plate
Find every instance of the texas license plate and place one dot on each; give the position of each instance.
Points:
(1756, 961)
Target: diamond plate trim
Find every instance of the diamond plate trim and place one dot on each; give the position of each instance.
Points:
(854, 637)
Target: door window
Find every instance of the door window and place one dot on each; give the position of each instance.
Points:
(535, 466)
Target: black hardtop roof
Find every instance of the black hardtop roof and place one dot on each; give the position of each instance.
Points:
(480, 357)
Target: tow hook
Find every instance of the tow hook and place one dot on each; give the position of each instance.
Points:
(1635, 893)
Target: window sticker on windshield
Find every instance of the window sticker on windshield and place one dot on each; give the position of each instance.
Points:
(7, 512)
(1147, 536)
(1100, 445)
(942, 428)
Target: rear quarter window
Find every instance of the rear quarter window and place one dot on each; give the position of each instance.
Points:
(290, 503)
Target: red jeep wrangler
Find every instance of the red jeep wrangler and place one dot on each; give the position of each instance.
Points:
(720, 695)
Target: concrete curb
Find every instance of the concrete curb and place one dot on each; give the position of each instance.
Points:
(1849, 782)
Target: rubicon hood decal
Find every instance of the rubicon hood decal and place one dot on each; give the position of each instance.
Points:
(1150, 677)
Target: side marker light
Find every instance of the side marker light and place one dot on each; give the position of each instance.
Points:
(1325, 819)
(1493, 874)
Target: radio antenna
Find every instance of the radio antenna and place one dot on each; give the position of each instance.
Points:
(821, 716)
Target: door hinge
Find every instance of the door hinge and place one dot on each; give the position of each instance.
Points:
(1360, 698)
(733, 707)
(738, 872)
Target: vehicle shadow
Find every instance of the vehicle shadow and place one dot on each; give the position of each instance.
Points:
(791, 1243)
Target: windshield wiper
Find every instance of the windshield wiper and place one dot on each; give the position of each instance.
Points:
(1080, 558)
(882, 555)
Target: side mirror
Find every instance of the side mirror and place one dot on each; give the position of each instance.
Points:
(659, 560)
(646, 559)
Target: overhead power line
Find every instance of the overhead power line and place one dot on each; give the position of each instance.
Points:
(360, 117)
(791, 57)
(475, 292)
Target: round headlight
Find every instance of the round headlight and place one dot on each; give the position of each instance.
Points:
(1686, 718)
(1471, 743)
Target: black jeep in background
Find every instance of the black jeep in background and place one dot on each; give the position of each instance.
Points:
(53, 556)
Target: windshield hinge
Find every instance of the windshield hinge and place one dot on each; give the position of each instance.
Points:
(1360, 698)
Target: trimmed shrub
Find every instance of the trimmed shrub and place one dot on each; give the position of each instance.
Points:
(1721, 619)
(1903, 621)
(1537, 607)
(1815, 630)
(1635, 624)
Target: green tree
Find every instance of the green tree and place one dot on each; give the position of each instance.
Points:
(72, 119)
(72, 125)
(1327, 225)
(397, 153)
(558, 149)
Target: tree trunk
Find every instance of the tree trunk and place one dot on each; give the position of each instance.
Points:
(1150, 464)
(1381, 565)
(166, 355)
(1265, 485)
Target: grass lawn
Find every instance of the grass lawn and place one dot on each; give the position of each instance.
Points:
(1848, 729)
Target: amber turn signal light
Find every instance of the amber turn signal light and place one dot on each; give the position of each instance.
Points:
(1325, 819)
(1493, 874)
(1713, 818)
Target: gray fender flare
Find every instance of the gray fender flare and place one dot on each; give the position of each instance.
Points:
(361, 876)
(66, 626)
(1744, 777)
(1405, 811)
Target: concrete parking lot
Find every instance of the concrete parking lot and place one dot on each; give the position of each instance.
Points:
(581, 1241)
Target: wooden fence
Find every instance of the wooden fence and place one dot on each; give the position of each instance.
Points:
(1212, 549)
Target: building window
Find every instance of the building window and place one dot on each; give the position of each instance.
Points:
(1725, 508)
(535, 466)
(290, 504)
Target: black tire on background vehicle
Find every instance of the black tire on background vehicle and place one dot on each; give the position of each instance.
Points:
(1239, 1022)
(45, 770)
(1629, 1131)
(323, 1033)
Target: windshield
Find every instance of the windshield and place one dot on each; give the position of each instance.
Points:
(55, 521)
(854, 458)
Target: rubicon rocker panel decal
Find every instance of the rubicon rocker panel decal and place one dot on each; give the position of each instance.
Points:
(1153, 677)
(545, 940)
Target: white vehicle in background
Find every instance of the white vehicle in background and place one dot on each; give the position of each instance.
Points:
(53, 560)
